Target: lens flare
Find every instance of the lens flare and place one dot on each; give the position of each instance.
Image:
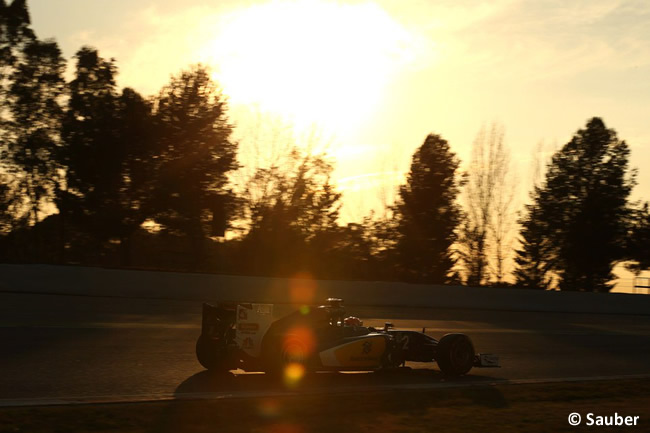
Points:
(302, 289)
(300, 340)
(269, 408)
(293, 373)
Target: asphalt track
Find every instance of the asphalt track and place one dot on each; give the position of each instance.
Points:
(79, 349)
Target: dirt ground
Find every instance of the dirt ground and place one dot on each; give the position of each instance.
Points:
(501, 408)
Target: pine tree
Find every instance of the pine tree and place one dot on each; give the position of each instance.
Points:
(428, 213)
(583, 209)
(533, 260)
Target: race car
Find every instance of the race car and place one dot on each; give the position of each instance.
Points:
(247, 336)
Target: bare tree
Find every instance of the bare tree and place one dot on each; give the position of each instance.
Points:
(489, 197)
(504, 216)
(272, 150)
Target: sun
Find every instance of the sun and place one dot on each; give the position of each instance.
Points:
(315, 62)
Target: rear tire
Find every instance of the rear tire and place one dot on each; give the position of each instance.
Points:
(455, 354)
(211, 354)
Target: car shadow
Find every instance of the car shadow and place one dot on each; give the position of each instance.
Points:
(238, 382)
(332, 401)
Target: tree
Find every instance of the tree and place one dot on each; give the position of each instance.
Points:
(7, 205)
(195, 155)
(33, 128)
(533, 261)
(381, 235)
(133, 202)
(30, 86)
(109, 155)
(15, 33)
(350, 254)
(90, 152)
(583, 209)
(428, 214)
(488, 199)
(638, 242)
(293, 209)
(503, 217)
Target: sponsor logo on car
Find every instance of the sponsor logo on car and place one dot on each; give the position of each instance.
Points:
(248, 327)
(248, 343)
(363, 352)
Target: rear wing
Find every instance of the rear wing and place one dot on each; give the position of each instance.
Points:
(217, 320)
(244, 324)
(252, 322)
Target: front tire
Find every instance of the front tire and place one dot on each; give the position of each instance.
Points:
(455, 354)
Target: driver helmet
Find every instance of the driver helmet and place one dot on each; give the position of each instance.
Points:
(352, 321)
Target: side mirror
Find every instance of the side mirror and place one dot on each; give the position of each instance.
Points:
(387, 326)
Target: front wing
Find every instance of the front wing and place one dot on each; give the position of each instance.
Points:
(486, 360)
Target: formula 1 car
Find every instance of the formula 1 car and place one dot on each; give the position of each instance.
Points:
(246, 336)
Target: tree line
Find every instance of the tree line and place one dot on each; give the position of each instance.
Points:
(98, 175)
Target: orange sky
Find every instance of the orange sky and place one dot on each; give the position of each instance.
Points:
(372, 79)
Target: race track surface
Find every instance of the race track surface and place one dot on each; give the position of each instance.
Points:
(80, 348)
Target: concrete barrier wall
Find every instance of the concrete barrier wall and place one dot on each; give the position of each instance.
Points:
(207, 287)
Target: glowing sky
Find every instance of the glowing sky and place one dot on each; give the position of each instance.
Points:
(374, 78)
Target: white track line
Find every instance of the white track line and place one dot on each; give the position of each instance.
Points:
(163, 397)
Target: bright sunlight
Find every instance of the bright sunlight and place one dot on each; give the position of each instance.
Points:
(314, 62)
